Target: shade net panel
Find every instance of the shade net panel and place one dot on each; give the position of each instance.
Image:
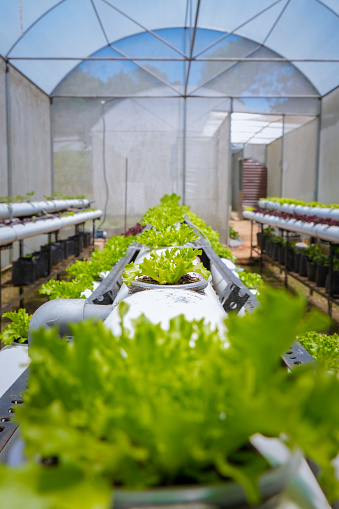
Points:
(124, 154)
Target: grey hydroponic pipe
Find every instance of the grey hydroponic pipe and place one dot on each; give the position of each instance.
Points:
(33, 208)
(9, 234)
(60, 312)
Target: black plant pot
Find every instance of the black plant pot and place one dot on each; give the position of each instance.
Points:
(78, 243)
(335, 282)
(310, 270)
(302, 265)
(290, 260)
(296, 263)
(47, 249)
(281, 258)
(63, 249)
(86, 237)
(70, 247)
(24, 271)
(55, 254)
(41, 259)
(260, 240)
(268, 247)
(321, 272)
(276, 252)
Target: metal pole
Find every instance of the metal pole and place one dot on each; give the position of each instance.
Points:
(286, 258)
(8, 134)
(21, 253)
(317, 170)
(261, 247)
(184, 140)
(229, 173)
(9, 142)
(330, 282)
(0, 292)
(282, 158)
(126, 185)
(50, 260)
(52, 144)
(93, 231)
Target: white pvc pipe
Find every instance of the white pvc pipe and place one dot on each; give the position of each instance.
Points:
(13, 361)
(324, 212)
(163, 304)
(320, 231)
(35, 207)
(9, 234)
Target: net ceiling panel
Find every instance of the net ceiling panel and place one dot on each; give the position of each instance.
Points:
(45, 39)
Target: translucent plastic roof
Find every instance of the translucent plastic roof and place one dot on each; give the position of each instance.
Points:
(263, 129)
(288, 48)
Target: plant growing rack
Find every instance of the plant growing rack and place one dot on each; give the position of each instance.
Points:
(284, 229)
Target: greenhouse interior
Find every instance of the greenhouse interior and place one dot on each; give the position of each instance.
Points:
(169, 254)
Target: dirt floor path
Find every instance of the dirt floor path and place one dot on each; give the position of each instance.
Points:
(243, 227)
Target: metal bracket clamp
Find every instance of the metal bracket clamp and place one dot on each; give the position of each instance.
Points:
(297, 355)
(108, 289)
(231, 299)
(106, 298)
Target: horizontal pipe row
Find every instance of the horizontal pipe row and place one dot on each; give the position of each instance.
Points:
(24, 209)
(324, 212)
(9, 234)
(320, 231)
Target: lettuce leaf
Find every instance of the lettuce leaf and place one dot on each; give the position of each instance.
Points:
(156, 406)
(171, 236)
(63, 486)
(17, 330)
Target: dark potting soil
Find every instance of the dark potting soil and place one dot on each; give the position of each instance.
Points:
(184, 280)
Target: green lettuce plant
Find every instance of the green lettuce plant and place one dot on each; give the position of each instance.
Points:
(162, 217)
(233, 234)
(167, 267)
(73, 289)
(162, 407)
(324, 348)
(315, 253)
(82, 273)
(268, 231)
(171, 236)
(61, 196)
(17, 199)
(17, 330)
(170, 200)
(212, 236)
(252, 280)
(167, 213)
(291, 201)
